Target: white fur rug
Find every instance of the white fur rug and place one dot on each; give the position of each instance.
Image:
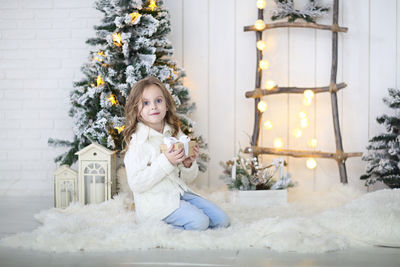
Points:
(312, 222)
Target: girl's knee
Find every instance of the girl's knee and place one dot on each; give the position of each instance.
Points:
(200, 223)
(223, 221)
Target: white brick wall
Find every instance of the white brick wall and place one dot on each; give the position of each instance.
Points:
(42, 46)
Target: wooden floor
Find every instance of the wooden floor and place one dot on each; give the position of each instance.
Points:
(17, 215)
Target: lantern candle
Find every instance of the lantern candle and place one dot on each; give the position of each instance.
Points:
(96, 193)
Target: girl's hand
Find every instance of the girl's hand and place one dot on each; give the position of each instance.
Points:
(189, 160)
(175, 157)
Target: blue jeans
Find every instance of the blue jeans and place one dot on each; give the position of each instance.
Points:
(197, 213)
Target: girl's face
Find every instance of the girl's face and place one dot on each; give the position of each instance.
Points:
(153, 107)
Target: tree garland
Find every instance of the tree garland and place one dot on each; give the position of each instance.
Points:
(285, 8)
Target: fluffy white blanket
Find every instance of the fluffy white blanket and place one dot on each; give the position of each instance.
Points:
(312, 222)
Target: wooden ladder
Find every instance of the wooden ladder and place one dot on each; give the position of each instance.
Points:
(332, 88)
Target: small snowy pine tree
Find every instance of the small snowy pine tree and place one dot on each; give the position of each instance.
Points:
(130, 44)
(383, 156)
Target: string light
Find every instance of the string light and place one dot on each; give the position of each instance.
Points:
(268, 125)
(152, 5)
(312, 142)
(120, 129)
(302, 115)
(264, 64)
(297, 132)
(262, 106)
(304, 122)
(307, 101)
(99, 80)
(269, 85)
(112, 99)
(278, 142)
(101, 54)
(261, 45)
(135, 17)
(261, 4)
(259, 25)
(311, 163)
(116, 37)
(308, 93)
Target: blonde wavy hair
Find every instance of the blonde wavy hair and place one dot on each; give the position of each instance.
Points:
(132, 112)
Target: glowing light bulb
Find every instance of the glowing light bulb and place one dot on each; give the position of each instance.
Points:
(278, 142)
(308, 94)
(262, 106)
(311, 163)
(269, 85)
(116, 37)
(261, 45)
(135, 17)
(268, 125)
(297, 132)
(312, 142)
(259, 25)
(261, 4)
(264, 64)
(302, 115)
(304, 122)
(307, 101)
(99, 80)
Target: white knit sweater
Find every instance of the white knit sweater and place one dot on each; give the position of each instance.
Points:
(156, 183)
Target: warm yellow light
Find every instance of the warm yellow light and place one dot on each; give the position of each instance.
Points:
(261, 45)
(308, 94)
(278, 142)
(304, 122)
(297, 132)
(261, 4)
(307, 101)
(269, 85)
(117, 39)
(99, 80)
(152, 4)
(120, 129)
(101, 54)
(262, 106)
(311, 163)
(112, 99)
(312, 142)
(268, 125)
(264, 64)
(302, 115)
(259, 25)
(135, 17)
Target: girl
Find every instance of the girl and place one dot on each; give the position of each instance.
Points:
(158, 179)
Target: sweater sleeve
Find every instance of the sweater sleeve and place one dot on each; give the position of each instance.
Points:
(142, 175)
(188, 175)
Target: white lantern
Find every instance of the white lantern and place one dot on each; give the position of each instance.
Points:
(65, 189)
(97, 174)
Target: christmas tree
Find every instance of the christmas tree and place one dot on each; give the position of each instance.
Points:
(130, 44)
(383, 156)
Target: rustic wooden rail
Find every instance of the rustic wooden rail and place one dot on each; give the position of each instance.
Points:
(333, 28)
(333, 87)
(258, 92)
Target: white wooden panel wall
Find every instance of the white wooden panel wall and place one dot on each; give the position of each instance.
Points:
(220, 58)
